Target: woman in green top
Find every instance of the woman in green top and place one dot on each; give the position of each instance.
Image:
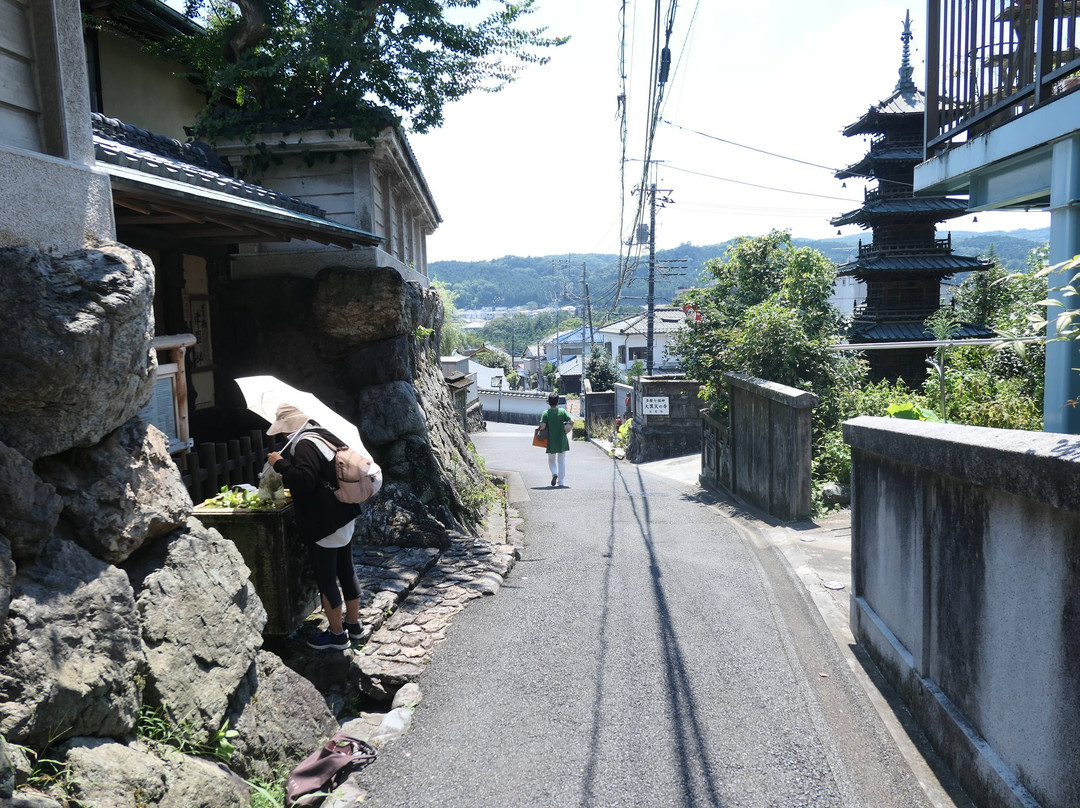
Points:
(558, 441)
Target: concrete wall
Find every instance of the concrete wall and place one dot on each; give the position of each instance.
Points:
(655, 437)
(51, 195)
(715, 452)
(764, 454)
(966, 592)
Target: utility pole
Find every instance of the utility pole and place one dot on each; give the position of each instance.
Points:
(651, 300)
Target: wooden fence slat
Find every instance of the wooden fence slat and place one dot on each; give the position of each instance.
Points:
(248, 469)
(234, 463)
(208, 458)
(195, 477)
(209, 466)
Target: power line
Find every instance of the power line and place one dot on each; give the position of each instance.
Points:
(784, 156)
(755, 185)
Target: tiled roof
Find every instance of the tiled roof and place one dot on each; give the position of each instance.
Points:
(939, 206)
(897, 104)
(894, 154)
(120, 144)
(946, 263)
(907, 332)
(666, 319)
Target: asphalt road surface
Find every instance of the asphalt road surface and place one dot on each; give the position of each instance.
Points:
(645, 651)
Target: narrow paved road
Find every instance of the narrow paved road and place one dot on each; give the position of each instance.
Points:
(644, 652)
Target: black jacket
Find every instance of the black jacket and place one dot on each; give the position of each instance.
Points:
(311, 479)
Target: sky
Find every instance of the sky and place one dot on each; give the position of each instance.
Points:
(535, 168)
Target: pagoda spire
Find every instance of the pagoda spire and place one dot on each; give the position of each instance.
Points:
(906, 85)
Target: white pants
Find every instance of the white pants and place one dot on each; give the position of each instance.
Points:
(560, 459)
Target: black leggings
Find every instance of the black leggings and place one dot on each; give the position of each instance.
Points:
(333, 565)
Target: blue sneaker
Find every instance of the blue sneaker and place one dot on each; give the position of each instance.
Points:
(324, 640)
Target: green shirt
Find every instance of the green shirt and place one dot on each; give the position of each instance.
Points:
(558, 440)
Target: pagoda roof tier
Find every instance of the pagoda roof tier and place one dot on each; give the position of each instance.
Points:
(907, 332)
(875, 209)
(907, 264)
(891, 155)
(902, 108)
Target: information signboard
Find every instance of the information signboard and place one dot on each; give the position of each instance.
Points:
(655, 405)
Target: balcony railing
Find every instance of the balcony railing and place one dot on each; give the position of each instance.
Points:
(993, 60)
(880, 313)
(921, 247)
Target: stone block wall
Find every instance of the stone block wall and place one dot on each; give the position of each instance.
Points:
(966, 585)
(655, 436)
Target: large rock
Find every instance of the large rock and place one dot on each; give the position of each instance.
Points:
(283, 719)
(107, 773)
(201, 622)
(389, 360)
(390, 411)
(354, 308)
(104, 772)
(397, 517)
(120, 494)
(7, 771)
(7, 580)
(29, 507)
(76, 359)
(74, 658)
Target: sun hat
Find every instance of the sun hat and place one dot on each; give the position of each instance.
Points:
(289, 419)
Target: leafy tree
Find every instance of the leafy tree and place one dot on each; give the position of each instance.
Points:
(452, 337)
(359, 63)
(493, 359)
(766, 314)
(601, 371)
(636, 370)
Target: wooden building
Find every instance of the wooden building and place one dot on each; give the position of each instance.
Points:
(905, 262)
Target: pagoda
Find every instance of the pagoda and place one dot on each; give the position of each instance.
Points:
(905, 263)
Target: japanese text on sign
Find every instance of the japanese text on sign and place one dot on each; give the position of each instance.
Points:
(655, 405)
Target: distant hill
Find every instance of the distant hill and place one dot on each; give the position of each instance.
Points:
(534, 281)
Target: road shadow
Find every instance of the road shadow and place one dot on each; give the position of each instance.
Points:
(699, 782)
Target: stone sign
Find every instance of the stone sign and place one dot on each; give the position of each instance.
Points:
(655, 405)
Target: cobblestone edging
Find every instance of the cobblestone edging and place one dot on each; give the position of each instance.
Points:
(409, 599)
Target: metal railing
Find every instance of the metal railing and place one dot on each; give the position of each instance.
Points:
(993, 60)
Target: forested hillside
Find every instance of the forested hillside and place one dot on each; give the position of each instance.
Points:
(535, 281)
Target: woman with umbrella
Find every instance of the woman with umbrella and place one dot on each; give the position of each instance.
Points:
(326, 524)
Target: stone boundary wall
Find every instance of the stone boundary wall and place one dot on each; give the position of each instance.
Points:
(764, 454)
(657, 437)
(599, 407)
(966, 593)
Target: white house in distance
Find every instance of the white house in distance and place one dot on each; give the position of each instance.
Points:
(625, 340)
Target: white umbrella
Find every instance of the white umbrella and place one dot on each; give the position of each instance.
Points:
(264, 394)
